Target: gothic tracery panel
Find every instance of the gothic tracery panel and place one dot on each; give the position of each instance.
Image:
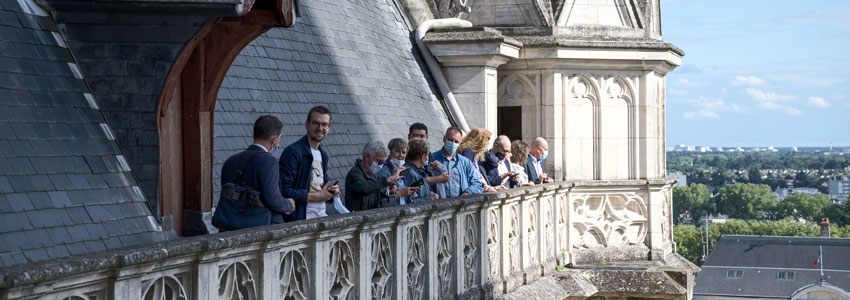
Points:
(470, 251)
(381, 267)
(494, 248)
(341, 273)
(164, 288)
(415, 264)
(444, 258)
(236, 282)
(609, 220)
(531, 233)
(513, 239)
(294, 276)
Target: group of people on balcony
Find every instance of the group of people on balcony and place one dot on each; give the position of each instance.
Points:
(256, 191)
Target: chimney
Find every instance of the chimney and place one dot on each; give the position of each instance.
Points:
(824, 227)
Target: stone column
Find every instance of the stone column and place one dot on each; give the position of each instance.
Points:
(470, 69)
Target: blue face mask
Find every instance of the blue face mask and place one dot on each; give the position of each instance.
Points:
(375, 168)
(545, 154)
(451, 147)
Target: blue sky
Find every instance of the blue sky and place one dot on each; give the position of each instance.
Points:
(759, 72)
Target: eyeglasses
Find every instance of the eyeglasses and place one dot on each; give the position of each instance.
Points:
(322, 125)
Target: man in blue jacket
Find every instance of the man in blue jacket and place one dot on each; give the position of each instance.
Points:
(463, 177)
(303, 169)
(259, 173)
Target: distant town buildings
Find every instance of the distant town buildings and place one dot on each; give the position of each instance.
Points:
(782, 193)
(839, 189)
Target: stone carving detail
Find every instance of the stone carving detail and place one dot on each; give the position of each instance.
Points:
(236, 282)
(665, 214)
(76, 298)
(494, 249)
(517, 90)
(513, 240)
(164, 288)
(583, 87)
(563, 212)
(470, 251)
(449, 8)
(548, 228)
(340, 273)
(609, 220)
(444, 258)
(415, 264)
(381, 258)
(531, 232)
(294, 276)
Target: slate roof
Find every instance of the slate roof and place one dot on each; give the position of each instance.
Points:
(761, 258)
(367, 72)
(65, 188)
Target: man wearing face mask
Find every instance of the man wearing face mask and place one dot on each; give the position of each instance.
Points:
(497, 168)
(463, 179)
(534, 164)
(363, 184)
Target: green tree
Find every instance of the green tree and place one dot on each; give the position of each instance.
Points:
(803, 206)
(745, 201)
(754, 175)
(688, 242)
(692, 199)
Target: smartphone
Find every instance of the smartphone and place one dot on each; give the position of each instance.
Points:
(418, 183)
(334, 182)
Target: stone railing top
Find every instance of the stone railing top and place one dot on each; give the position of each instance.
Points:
(54, 269)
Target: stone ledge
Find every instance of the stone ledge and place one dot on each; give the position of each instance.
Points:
(653, 279)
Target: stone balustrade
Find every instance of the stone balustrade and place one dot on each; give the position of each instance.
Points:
(470, 247)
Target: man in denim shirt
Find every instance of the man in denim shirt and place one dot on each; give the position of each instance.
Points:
(464, 181)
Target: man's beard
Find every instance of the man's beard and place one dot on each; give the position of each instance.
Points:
(317, 137)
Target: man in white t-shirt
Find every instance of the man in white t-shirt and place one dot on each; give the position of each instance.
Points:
(304, 169)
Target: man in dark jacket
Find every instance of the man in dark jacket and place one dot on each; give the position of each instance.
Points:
(260, 173)
(497, 167)
(534, 165)
(303, 167)
(363, 185)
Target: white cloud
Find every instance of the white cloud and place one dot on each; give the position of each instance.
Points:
(678, 92)
(818, 101)
(834, 16)
(701, 113)
(772, 101)
(688, 83)
(748, 80)
(710, 108)
(767, 96)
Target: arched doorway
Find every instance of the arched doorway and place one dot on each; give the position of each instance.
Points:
(186, 110)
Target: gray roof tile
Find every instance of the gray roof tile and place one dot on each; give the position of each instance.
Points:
(19, 202)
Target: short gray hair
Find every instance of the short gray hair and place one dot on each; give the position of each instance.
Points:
(376, 147)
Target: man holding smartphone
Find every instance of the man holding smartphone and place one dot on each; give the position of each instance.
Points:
(497, 167)
(303, 167)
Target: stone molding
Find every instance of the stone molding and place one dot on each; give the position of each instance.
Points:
(472, 247)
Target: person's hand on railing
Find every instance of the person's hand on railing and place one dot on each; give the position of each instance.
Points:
(487, 189)
(544, 178)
